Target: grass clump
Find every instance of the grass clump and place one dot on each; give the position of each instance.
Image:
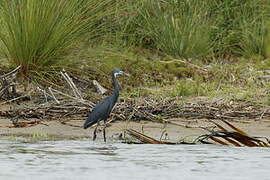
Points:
(200, 29)
(239, 27)
(36, 34)
(179, 28)
(39, 135)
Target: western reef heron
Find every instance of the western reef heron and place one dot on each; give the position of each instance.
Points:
(102, 110)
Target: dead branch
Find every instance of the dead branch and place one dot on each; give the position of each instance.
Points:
(53, 96)
(74, 98)
(100, 89)
(145, 139)
(11, 72)
(71, 84)
(235, 137)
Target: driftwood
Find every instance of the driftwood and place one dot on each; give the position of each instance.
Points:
(235, 137)
(223, 136)
(144, 138)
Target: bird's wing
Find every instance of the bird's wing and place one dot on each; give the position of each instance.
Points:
(100, 112)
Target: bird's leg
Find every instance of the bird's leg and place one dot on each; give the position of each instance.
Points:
(104, 132)
(95, 132)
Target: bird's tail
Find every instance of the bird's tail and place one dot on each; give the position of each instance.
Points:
(88, 123)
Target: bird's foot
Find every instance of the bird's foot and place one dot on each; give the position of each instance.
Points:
(94, 137)
(95, 134)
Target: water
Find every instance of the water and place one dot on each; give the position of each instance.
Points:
(83, 159)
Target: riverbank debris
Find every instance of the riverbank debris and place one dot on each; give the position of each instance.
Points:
(8, 84)
(235, 137)
(132, 109)
(74, 101)
(144, 138)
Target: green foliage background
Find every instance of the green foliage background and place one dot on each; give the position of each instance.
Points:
(95, 36)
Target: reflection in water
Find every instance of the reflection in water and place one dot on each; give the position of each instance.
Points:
(83, 159)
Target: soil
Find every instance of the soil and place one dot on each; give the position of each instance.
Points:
(186, 129)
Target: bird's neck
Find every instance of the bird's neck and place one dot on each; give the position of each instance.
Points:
(116, 86)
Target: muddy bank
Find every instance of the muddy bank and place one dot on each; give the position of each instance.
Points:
(186, 129)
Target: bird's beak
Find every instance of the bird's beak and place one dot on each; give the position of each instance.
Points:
(126, 74)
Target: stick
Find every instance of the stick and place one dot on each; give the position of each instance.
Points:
(263, 113)
(14, 99)
(11, 72)
(56, 100)
(44, 93)
(71, 84)
(79, 100)
(100, 89)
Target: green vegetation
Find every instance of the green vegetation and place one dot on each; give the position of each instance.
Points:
(171, 48)
(38, 135)
(178, 28)
(202, 29)
(36, 34)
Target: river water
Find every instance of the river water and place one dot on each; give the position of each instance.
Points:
(22, 158)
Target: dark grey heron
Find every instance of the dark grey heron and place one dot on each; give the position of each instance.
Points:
(102, 110)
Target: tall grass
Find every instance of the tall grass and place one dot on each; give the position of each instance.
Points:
(254, 29)
(239, 27)
(191, 28)
(36, 34)
(179, 28)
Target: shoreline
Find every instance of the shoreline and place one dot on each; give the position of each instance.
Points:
(186, 129)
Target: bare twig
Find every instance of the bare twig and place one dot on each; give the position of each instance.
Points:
(11, 72)
(56, 100)
(100, 89)
(71, 84)
(45, 94)
(14, 99)
(71, 97)
(264, 113)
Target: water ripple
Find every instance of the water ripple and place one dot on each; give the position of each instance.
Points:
(81, 159)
